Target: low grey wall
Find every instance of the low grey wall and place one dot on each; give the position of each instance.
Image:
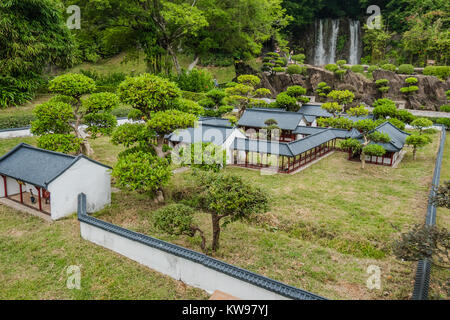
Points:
(191, 267)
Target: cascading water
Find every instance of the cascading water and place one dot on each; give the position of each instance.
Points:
(333, 41)
(319, 52)
(354, 42)
(326, 41)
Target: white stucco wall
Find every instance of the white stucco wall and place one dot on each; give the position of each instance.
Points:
(83, 177)
(12, 187)
(228, 144)
(185, 270)
(6, 134)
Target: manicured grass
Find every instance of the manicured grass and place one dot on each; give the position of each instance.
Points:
(35, 255)
(327, 224)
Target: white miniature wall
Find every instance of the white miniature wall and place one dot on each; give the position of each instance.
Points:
(83, 177)
(190, 272)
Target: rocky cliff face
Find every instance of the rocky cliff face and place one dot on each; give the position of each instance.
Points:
(431, 93)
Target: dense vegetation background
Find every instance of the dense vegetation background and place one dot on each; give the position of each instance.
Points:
(33, 36)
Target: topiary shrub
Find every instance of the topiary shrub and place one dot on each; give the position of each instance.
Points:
(331, 67)
(442, 72)
(295, 69)
(445, 108)
(389, 67)
(358, 68)
(285, 101)
(406, 69)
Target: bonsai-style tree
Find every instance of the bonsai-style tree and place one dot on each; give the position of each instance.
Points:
(227, 197)
(272, 129)
(384, 108)
(287, 102)
(59, 121)
(359, 111)
(417, 141)
(338, 123)
(156, 101)
(243, 94)
(411, 88)
(215, 104)
(203, 156)
(342, 97)
(323, 89)
(142, 171)
(424, 242)
(442, 196)
(177, 219)
(299, 58)
(370, 137)
(334, 108)
(298, 93)
(421, 123)
(382, 86)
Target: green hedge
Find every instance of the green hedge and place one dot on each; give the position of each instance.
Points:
(194, 96)
(442, 72)
(16, 121)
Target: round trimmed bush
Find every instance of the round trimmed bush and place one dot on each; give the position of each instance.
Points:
(389, 67)
(295, 69)
(358, 68)
(406, 69)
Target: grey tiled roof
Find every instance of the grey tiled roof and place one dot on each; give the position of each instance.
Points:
(308, 130)
(207, 130)
(36, 166)
(398, 137)
(256, 117)
(314, 110)
(289, 149)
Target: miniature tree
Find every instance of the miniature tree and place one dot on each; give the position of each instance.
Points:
(298, 93)
(177, 219)
(244, 93)
(142, 171)
(382, 86)
(273, 63)
(421, 123)
(227, 197)
(442, 196)
(156, 101)
(424, 242)
(359, 111)
(384, 108)
(411, 87)
(334, 108)
(287, 102)
(272, 129)
(299, 58)
(366, 128)
(59, 121)
(215, 102)
(417, 141)
(343, 97)
(323, 90)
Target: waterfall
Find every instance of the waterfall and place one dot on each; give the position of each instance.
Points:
(326, 41)
(319, 52)
(333, 41)
(354, 42)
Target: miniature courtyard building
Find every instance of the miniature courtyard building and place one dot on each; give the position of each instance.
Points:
(50, 181)
(218, 131)
(393, 148)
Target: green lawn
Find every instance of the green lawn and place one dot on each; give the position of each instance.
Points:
(326, 225)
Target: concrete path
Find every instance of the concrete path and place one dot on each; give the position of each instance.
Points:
(24, 209)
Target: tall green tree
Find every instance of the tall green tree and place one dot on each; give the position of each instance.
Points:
(33, 36)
